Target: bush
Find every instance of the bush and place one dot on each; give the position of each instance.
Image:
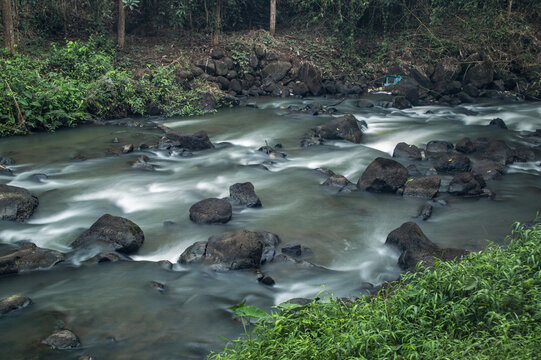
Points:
(485, 307)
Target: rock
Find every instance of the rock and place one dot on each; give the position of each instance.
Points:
(496, 150)
(259, 51)
(341, 128)
(453, 87)
(217, 54)
(194, 254)
(325, 171)
(409, 236)
(311, 140)
(207, 66)
(383, 175)
(498, 123)
(195, 142)
(5, 171)
(439, 147)
(403, 150)
(126, 149)
(311, 76)
(266, 280)
(426, 212)
(158, 286)
(364, 103)
(467, 184)
(104, 257)
(211, 211)
(339, 181)
(62, 340)
(276, 70)
(39, 178)
(234, 251)
(224, 82)
(296, 250)
(29, 257)
(221, 68)
(272, 153)
(471, 90)
(16, 204)
(452, 163)
(4, 160)
(244, 194)
(488, 169)
(13, 303)
(480, 74)
(400, 102)
(236, 86)
(425, 187)
(522, 154)
(409, 258)
(113, 232)
(465, 146)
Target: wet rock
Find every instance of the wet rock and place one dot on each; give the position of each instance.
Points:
(296, 250)
(498, 123)
(113, 232)
(211, 211)
(522, 154)
(496, 150)
(273, 154)
(467, 184)
(383, 175)
(439, 147)
(311, 76)
(16, 204)
(311, 140)
(126, 149)
(5, 160)
(465, 146)
(244, 194)
(62, 340)
(13, 303)
(276, 70)
(452, 163)
(364, 103)
(341, 128)
(105, 257)
(425, 187)
(266, 280)
(403, 150)
(38, 177)
(426, 212)
(195, 142)
(409, 259)
(194, 254)
(5, 171)
(158, 286)
(400, 102)
(29, 257)
(480, 75)
(488, 169)
(325, 171)
(217, 54)
(339, 181)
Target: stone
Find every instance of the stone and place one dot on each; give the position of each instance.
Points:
(400, 102)
(62, 340)
(112, 232)
(5, 160)
(425, 187)
(13, 303)
(522, 154)
(438, 146)
(29, 257)
(244, 194)
(488, 169)
(266, 280)
(465, 146)
(105, 257)
(217, 54)
(403, 150)
(310, 75)
(339, 181)
(341, 128)
(409, 236)
(480, 75)
(126, 149)
(221, 68)
(194, 254)
(211, 211)
(498, 123)
(383, 175)
(195, 142)
(16, 204)
(452, 163)
(276, 70)
(467, 184)
(426, 212)
(496, 150)
(234, 251)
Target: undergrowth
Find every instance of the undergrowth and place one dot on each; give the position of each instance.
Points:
(486, 307)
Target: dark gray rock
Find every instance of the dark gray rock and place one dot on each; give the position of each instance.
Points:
(29, 257)
(13, 303)
(498, 123)
(221, 68)
(211, 211)
(383, 175)
(488, 169)
(341, 128)
(5, 160)
(112, 232)
(522, 154)
(128, 148)
(339, 181)
(426, 212)
(465, 146)
(439, 147)
(105, 257)
(364, 103)
(195, 142)
(452, 163)
(311, 76)
(403, 150)
(480, 75)
(425, 187)
(194, 254)
(16, 204)
(62, 340)
(217, 54)
(266, 280)
(236, 86)
(5, 171)
(467, 184)
(400, 102)
(495, 150)
(409, 236)
(244, 194)
(276, 70)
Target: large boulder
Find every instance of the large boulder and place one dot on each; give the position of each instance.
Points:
(425, 187)
(439, 147)
(194, 142)
(403, 150)
(13, 303)
(452, 163)
(233, 250)
(465, 146)
(409, 236)
(211, 211)
(276, 70)
(495, 150)
(383, 175)
(341, 128)
(29, 257)
(488, 169)
(62, 340)
(16, 204)
(311, 76)
(467, 184)
(480, 75)
(112, 232)
(244, 194)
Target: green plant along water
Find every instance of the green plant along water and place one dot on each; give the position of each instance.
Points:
(485, 307)
(74, 82)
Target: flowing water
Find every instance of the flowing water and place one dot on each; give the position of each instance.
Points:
(112, 306)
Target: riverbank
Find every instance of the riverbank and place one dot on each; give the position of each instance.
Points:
(483, 307)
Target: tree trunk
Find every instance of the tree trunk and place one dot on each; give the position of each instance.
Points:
(121, 30)
(217, 23)
(9, 35)
(509, 8)
(272, 17)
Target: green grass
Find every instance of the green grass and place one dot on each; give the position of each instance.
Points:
(486, 307)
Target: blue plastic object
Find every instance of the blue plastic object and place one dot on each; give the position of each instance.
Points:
(392, 79)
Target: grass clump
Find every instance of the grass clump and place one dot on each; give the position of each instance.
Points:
(486, 307)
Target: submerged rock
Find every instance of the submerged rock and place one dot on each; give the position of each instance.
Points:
(383, 175)
(452, 163)
(244, 194)
(439, 147)
(211, 211)
(465, 146)
(498, 123)
(113, 232)
(488, 169)
(425, 187)
(339, 181)
(16, 204)
(13, 303)
(62, 340)
(29, 257)
(404, 150)
(195, 142)
(467, 184)
(341, 128)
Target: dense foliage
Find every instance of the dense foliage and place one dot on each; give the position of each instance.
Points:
(486, 307)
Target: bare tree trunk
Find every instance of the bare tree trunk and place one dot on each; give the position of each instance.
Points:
(9, 35)
(272, 17)
(121, 30)
(217, 23)
(509, 8)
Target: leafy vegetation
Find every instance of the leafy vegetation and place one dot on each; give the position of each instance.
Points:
(486, 307)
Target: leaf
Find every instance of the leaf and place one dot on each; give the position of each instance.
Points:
(243, 310)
